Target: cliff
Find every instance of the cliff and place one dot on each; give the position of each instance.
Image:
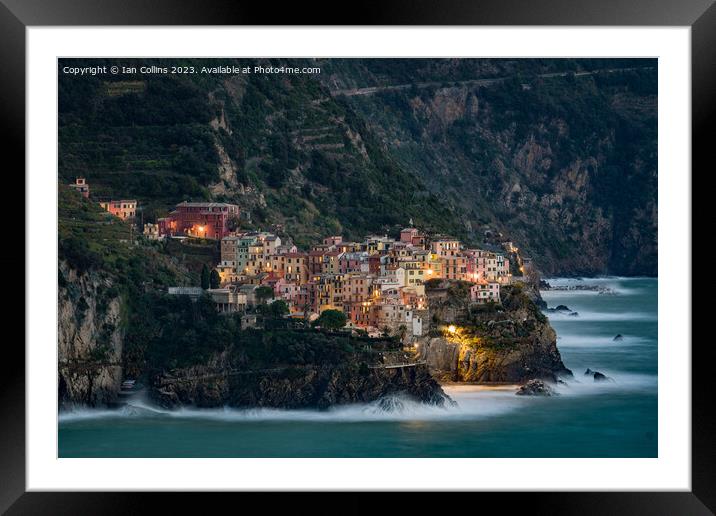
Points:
(293, 386)
(511, 344)
(89, 338)
(291, 369)
(102, 283)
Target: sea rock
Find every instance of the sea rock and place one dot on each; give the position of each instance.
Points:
(562, 308)
(599, 377)
(574, 314)
(535, 388)
(619, 337)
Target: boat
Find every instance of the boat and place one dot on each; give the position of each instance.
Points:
(129, 388)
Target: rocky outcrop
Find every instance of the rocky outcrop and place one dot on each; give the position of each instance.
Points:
(512, 344)
(89, 339)
(293, 387)
(535, 388)
(458, 362)
(598, 377)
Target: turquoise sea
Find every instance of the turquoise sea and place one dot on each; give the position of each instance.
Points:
(587, 419)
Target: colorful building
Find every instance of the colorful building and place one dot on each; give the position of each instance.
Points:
(199, 219)
(485, 292)
(123, 208)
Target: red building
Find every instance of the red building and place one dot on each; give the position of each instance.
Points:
(199, 219)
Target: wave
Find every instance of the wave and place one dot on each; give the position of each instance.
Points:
(585, 279)
(582, 385)
(589, 315)
(472, 403)
(619, 285)
(393, 408)
(566, 340)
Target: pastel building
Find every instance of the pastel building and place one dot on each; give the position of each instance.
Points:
(445, 247)
(412, 236)
(485, 292)
(123, 208)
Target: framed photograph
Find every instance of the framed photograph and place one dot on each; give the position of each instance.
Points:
(419, 253)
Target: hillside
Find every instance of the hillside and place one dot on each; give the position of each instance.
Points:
(561, 155)
(107, 289)
(564, 165)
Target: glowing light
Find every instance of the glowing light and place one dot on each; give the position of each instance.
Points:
(452, 329)
(430, 271)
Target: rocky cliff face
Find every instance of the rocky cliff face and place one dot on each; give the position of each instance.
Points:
(293, 387)
(89, 339)
(511, 344)
(537, 357)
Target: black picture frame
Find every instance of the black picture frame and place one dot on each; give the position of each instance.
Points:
(17, 15)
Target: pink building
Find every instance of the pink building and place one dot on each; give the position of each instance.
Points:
(484, 292)
(353, 262)
(199, 219)
(412, 236)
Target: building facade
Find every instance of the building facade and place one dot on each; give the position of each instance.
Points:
(123, 208)
(199, 219)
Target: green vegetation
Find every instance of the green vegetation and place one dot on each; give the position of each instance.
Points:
(167, 332)
(90, 239)
(205, 277)
(214, 279)
(275, 309)
(263, 294)
(331, 320)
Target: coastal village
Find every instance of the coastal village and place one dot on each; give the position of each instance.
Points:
(378, 283)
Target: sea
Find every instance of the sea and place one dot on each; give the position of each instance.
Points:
(615, 418)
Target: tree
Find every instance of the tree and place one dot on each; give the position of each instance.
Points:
(214, 279)
(278, 308)
(331, 320)
(205, 277)
(263, 294)
(402, 332)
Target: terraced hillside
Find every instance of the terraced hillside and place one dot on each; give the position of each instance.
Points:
(558, 155)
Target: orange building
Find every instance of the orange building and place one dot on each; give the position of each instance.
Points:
(124, 208)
